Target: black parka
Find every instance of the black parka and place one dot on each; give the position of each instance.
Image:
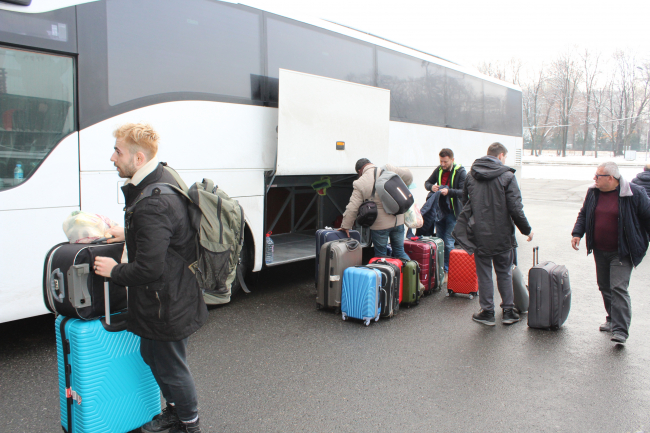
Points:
(643, 179)
(492, 209)
(633, 221)
(165, 302)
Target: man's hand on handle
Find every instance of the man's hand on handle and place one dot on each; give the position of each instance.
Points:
(575, 243)
(530, 237)
(104, 265)
(347, 232)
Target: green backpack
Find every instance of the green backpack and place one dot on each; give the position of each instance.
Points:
(218, 222)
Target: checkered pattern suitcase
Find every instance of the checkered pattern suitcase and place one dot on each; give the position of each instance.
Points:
(462, 274)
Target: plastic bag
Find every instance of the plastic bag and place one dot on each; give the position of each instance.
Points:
(413, 218)
(83, 227)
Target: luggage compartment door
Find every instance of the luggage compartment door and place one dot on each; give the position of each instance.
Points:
(315, 113)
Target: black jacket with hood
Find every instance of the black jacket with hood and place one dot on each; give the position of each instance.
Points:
(643, 179)
(165, 302)
(633, 217)
(492, 209)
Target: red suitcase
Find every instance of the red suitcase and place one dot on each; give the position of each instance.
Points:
(426, 253)
(462, 274)
(399, 264)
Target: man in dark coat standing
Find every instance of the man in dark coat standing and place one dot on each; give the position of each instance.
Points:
(448, 178)
(165, 303)
(486, 228)
(643, 179)
(615, 216)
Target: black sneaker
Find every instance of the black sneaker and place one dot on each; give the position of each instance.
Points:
(606, 327)
(186, 427)
(163, 421)
(509, 317)
(619, 338)
(485, 317)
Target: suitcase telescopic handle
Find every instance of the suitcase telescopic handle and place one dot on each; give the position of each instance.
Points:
(535, 256)
(107, 302)
(118, 325)
(57, 286)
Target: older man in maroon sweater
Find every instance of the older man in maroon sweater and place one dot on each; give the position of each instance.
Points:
(616, 219)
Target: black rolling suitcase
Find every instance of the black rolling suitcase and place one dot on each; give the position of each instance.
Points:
(550, 294)
(70, 286)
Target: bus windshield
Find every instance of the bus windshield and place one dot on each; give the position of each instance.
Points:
(36, 106)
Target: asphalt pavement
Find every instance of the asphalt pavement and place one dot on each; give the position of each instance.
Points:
(270, 362)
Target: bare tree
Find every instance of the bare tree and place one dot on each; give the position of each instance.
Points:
(599, 99)
(537, 109)
(566, 76)
(591, 71)
(630, 88)
(509, 71)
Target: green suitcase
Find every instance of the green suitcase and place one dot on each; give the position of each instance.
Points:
(411, 283)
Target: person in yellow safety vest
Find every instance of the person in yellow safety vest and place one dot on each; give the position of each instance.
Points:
(452, 175)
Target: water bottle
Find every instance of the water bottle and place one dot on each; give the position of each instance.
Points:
(269, 249)
(18, 174)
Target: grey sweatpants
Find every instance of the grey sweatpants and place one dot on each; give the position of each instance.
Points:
(613, 276)
(168, 362)
(503, 268)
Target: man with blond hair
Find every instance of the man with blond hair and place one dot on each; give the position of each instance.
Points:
(165, 303)
(615, 217)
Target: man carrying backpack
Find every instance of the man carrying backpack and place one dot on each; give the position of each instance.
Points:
(165, 303)
(385, 226)
(452, 176)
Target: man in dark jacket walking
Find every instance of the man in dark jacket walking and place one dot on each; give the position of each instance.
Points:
(643, 179)
(615, 216)
(165, 303)
(486, 228)
(449, 179)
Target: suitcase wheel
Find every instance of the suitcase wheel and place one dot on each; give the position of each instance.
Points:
(367, 322)
(318, 306)
(344, 316)
(450, 292)
(471, 296)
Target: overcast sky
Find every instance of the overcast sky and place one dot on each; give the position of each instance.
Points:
(471, 31)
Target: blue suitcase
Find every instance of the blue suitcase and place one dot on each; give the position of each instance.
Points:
(104, 385)
(360, 297)
(327, 235)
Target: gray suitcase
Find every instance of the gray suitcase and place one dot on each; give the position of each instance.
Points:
(550, 294)
(520, 290)
(334, 258)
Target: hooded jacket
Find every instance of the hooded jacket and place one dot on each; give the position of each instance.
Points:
(165, 302)
(492, 209)
(362, 190)
(643, 179)
(633, 217)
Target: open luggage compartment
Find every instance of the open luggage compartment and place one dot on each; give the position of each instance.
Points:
(295, 210)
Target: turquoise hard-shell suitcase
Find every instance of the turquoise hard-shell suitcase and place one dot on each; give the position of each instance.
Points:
(108, 388)
(360, 294)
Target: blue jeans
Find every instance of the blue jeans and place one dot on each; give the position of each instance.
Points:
(443, 231)
(380, 240)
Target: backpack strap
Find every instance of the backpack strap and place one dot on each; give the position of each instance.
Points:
(176, 177)
(374, 186)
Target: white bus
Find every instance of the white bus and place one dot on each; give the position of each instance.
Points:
(253, 100)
